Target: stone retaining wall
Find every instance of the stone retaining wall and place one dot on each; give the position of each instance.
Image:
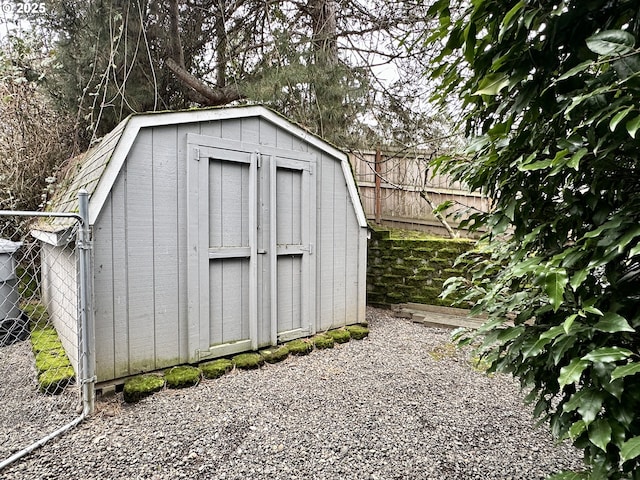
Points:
(411, 269)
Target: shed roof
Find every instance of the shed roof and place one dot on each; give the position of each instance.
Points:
(96, 170)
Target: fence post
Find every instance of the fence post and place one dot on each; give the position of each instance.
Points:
(87, 352)
(378, 186)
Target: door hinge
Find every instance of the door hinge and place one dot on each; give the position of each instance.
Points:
(197, 153)
(259, 159)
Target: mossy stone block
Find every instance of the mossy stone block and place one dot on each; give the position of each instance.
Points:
(248, 361)
(323, 341)
(299, 347)
(339, 335)
(182, 376)
(275, 355)
(51, 360)
(141, 386)
(55, 380)
(358, 332)
(216, 368)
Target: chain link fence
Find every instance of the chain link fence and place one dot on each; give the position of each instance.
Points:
(45, 379)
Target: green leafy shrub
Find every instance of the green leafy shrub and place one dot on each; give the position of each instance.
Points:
(141, 386)
(555, 145)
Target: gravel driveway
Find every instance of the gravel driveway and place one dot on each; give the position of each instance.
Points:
(379, 408)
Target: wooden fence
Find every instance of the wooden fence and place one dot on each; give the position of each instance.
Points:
(396, 188)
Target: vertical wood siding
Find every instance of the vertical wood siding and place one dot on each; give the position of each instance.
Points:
(140, 257)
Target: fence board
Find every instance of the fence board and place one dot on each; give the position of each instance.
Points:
(404, 176)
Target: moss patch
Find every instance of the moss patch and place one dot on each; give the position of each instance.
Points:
(339, 335)
(182, 376)
(141, 386)
(54, 381)
(216, 368)
(52, 364)
(442, 351)
(323, 341)
(299, 347)
(248, 361)
(275, 354)
(54, 359)
(358, 332)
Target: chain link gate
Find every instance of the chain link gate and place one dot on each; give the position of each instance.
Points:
(46, 331)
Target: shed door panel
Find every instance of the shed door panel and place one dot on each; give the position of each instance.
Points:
(293, 246)
(229, 250)
(251, 222)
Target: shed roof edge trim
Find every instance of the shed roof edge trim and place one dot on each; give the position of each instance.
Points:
(135, 122)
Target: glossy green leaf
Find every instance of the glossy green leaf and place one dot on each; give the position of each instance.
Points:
(625, 370)
(633, 125)
(608, 354)
(568, 322)
(618, 117)
(613, 323)
(577, 429)
(630, 449)
(577, 69)
(574, 161)
(555, 283)
(534, 348)
(492, 84)
(567, 475)
(572, 372)
(578, 278)
(600, 433)
(611, 42)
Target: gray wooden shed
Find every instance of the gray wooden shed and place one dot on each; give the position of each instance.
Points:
(214, 231)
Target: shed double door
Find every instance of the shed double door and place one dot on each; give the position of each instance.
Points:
(251, 230)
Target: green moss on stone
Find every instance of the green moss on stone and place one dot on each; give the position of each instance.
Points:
(141, 386)
(323, 341)
(45, 339)
(299, 347)
(216, 368)
(51, 360)
(339, 335)
(248, 361)
(358, 332)
(275, 354)
(182, 376)
(54, 381)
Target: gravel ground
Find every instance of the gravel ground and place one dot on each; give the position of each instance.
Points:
(380, 408)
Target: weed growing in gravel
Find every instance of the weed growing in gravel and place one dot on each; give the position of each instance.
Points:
(442, 351)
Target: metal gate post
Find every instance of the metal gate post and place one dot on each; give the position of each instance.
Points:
(87, 347)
